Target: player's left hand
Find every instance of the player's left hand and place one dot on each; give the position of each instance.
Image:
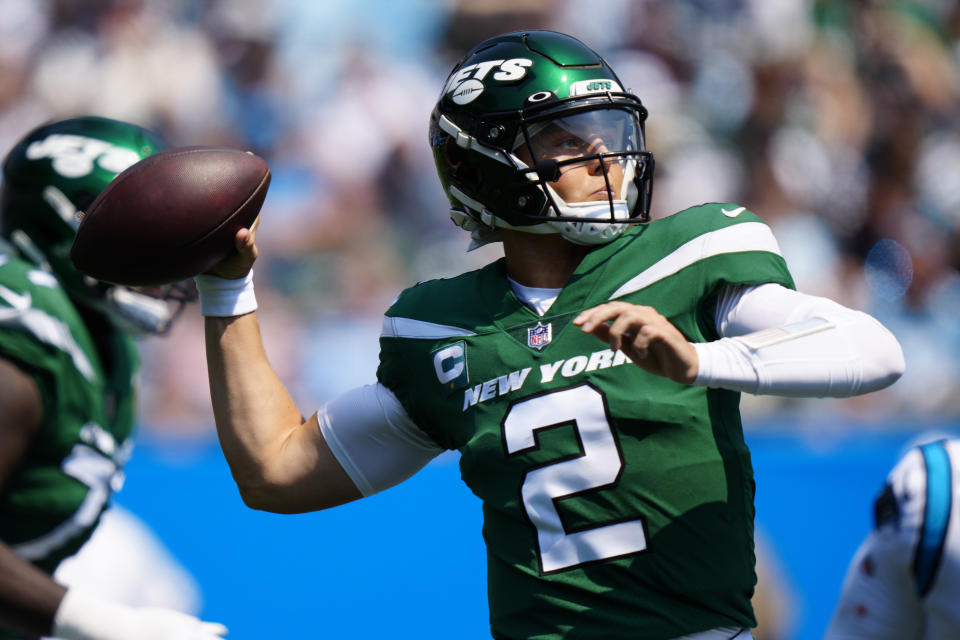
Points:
(646, 337)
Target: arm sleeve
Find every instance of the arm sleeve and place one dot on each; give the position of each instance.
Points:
(782, 342)
(374, 439)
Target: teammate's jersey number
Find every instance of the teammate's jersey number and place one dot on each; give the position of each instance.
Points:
(99, 474)
(599, 466)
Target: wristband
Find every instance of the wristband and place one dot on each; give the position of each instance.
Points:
(223, 297)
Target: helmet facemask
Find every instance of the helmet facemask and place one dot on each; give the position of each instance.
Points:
(591, 166)
(148, 309)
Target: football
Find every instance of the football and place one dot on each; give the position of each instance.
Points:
(171, 216)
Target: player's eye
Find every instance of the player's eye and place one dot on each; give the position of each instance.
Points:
(566, 145)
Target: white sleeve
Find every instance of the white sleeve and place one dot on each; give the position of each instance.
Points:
(778, 341)
(374, 439)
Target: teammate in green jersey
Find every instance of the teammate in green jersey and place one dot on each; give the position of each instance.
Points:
(590, 378)
(67, 363)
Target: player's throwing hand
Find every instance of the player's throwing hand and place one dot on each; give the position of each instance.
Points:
(239, 264)
(645, 336)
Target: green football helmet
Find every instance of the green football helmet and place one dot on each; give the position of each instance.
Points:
(520, 111)
(51, 176)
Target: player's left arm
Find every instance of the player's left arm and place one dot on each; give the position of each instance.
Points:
(774, 341)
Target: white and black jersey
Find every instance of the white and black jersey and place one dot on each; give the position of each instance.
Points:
(904, 581)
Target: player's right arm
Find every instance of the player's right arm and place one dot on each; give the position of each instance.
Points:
(357, 444)
(279, 460)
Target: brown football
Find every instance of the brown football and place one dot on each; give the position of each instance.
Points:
(171, 216)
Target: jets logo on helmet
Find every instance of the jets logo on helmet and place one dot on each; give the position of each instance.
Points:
(520, 112)
(596, 85)
(467, 83)
(74, 156)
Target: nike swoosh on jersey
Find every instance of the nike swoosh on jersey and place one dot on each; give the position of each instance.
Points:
(15, 300)
(743, 236)
(732, 213)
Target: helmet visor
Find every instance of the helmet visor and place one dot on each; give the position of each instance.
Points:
(586, 158)
(581, 135)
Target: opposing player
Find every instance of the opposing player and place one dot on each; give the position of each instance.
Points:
(903, 582)
(589, 378)
(67, 362)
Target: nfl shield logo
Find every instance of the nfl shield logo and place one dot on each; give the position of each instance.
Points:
(539, 336)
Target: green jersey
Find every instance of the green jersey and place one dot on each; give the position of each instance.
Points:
(53, 501)
(617, 503)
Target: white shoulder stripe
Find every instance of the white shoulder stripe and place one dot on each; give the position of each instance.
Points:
(749, 236)
(49, 330)
(92, 469)
(410, 328)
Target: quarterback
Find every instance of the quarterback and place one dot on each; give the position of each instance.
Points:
(67, 364)
(589, 379)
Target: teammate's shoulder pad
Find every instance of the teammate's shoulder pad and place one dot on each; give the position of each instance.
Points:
(19, 277)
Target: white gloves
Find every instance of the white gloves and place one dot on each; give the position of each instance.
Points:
(82, 616)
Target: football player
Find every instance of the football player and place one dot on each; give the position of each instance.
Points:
(590, 378)
(903, 582)
(67, 364)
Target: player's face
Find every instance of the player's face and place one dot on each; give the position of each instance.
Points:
(586, 136)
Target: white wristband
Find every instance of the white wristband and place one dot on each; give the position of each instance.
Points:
(224, 297)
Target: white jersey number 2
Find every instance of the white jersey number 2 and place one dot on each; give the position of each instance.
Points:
(599, 466)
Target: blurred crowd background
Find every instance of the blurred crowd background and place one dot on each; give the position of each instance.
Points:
(835, 121)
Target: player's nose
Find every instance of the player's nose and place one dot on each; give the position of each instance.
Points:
(601, 165)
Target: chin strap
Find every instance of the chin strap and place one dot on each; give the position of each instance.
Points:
(483, 225)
